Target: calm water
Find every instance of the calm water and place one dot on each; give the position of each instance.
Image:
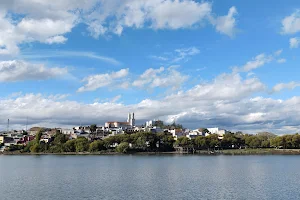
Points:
(149, 177)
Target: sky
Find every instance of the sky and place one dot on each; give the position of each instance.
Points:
(229, 64)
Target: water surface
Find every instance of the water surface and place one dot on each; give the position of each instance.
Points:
(50, 177)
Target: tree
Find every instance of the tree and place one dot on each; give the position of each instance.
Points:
(296, 141)
(59, 139)
(97, 145)
(35, 148)
(183, 142)
(69, 146)
(201, 142)
(123, 147)
(213, 141)
(93, 129)
(81, 144)
(38, 136)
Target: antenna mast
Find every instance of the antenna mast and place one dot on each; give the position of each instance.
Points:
(8, 125)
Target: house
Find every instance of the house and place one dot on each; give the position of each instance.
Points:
(46, 138)
(176, 133)
(219, 132)
(34, 130)
(194, 133)
(67, 131)
(26, 139)
(1, 139)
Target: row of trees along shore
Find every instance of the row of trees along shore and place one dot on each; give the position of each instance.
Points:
(161, 142)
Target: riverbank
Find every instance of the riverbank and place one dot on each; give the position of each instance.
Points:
(198, 152)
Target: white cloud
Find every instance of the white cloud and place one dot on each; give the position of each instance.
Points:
(178, 55)
(185, 53)
(52, 54)
(18, 70)
(281, 60)
(226, 102)
(114, 16)
(49, 22)
(281, 86)
(164, 78)
(256, 62)
(112, 79)
(116, 98)
(56, 39)
(294, 42)
(227, 24)
(291, 24)
(278, 52)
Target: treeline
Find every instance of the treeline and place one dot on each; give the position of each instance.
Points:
(161, 142)
(235, 141)
(120, 143)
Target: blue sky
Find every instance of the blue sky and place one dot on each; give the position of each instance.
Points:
(231, 64)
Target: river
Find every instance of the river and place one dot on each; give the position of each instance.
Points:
(134, 177)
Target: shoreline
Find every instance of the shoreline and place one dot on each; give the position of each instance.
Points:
(229, 152)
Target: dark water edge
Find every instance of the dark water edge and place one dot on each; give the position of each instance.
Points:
(201, 152)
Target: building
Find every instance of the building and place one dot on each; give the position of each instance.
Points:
(219, 132)
(152, 123)
(113, 125)
(1, 139)
(177, 133)
(194, 133)
(131, 120)
(34, 130)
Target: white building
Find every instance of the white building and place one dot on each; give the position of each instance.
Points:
(219, 132)
(131, 120)
(194, 133)
(177, 133)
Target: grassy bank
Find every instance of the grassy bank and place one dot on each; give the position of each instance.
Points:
(260, 152)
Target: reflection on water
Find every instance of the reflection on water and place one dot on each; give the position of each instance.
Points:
(149, 177)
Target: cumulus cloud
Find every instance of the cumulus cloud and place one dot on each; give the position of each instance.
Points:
(112, 79)
(49, 22)
(39, 21)
(164, 78)
(227, 24)
(281, 86)
(294, 42)
(291, 23)
(227, 102)
(113, 16)
(18, 70)
(56, 39)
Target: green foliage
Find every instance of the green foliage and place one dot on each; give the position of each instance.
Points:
(97, 145)
(93, 128)
(166, 142)
(201, 142)
(69, 146)
(81, 144)
(183, 142)
(60, 139)
(14, 147)
(122, 147)
(35, 148)
(38, 136)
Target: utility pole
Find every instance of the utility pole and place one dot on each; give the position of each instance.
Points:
(26, 123)
(7, 125)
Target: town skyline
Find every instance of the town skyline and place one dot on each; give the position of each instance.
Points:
(199, 63)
